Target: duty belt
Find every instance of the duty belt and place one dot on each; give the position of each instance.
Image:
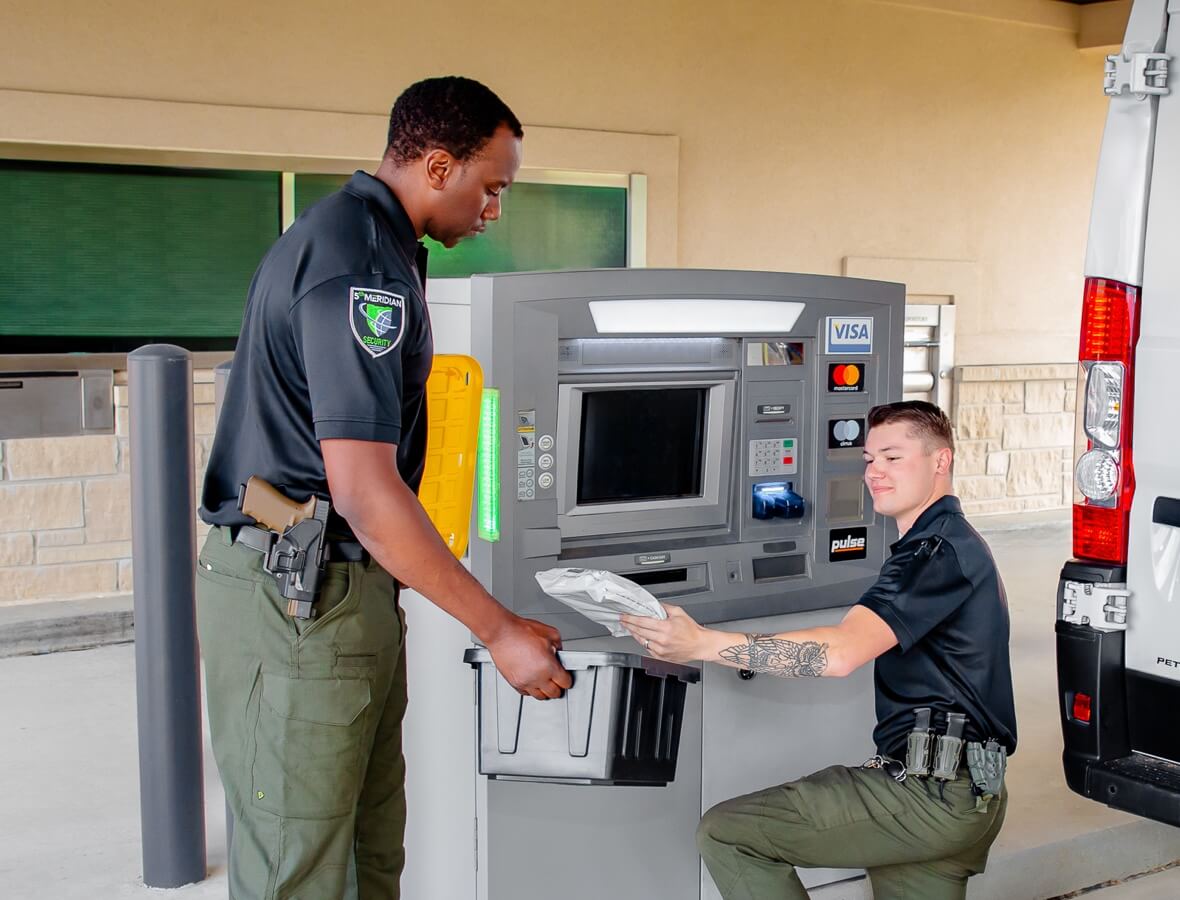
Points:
(930, 754)
(263, 541)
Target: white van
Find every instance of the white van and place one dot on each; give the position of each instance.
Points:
(1118, 628)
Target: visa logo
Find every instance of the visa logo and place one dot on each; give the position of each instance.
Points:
(851, 331)
(849, 335)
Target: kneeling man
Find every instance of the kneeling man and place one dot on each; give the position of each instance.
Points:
(921, 815)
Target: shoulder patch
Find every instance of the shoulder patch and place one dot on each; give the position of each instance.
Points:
(378, 319)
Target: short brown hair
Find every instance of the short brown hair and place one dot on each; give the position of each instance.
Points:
(925, 420)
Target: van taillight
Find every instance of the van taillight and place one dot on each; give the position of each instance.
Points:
(1081, 708)
(1104, 478)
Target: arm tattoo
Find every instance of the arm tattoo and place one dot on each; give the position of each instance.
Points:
(774, 656)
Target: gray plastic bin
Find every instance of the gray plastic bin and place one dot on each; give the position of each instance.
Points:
(618, 724)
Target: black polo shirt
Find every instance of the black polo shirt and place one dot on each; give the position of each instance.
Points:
(335, 343)
(941, 594)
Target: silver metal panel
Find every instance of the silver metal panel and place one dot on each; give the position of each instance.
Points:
(1153, 570)
(929, 355)
(56, 404)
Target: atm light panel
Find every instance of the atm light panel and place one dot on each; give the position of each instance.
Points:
(694, 316)
(488, 467)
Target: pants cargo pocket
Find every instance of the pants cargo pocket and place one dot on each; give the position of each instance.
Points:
(308, 741)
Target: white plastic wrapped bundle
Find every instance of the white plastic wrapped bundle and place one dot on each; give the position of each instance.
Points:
(600, 596)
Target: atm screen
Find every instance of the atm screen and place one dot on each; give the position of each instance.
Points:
(641, 444)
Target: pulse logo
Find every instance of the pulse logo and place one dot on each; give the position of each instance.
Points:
(846, 334)
(847, 543)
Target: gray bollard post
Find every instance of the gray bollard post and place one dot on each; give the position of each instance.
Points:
(220, 382)
(167, 667)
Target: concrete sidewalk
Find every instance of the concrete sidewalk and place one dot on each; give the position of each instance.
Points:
(69, 808)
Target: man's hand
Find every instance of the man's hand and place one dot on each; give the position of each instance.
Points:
(831, 650)
(675, 639)
(387, 518)
(525, 653)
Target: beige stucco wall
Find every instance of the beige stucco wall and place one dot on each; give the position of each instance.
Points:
(824, 136)
(808, 131)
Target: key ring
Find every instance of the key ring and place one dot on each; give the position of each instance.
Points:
(894, 768)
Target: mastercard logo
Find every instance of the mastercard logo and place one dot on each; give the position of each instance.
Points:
(845, 374)
(846, 377)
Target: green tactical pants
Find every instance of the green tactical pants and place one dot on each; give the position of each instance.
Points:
(305, 719)
(914, 842)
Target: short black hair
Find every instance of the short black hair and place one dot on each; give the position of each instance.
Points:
(457, 114)
(924, 421)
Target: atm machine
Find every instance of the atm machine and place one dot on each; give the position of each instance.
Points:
(699, 432)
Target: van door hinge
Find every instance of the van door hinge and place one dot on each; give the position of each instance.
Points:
(1101, 606)
(1143, 74)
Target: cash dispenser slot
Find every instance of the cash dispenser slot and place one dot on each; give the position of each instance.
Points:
(674, 581)
(772, 568)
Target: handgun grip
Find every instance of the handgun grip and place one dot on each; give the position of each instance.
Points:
(262, 502)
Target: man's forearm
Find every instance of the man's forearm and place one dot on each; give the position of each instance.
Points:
(416, 556)
(798, 654)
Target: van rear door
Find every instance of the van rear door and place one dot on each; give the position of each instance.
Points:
(1118, 628)
(1153, 561)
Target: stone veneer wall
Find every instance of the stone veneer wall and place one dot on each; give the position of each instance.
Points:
(65, 506)
(1014, 434)
(65, 522)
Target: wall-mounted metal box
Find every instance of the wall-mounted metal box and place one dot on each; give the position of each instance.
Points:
(57, 403)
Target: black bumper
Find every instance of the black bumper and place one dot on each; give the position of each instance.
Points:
(1121, 756)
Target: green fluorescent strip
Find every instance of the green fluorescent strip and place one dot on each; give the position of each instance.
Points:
(488, 476)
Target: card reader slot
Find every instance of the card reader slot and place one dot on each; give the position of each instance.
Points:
(659, 576)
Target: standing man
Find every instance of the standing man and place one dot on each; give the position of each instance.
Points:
(921, 815)
(327, 399)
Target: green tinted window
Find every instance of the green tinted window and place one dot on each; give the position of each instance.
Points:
(109, 257)
(542, 226)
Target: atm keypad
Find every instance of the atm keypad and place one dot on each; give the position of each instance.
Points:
(773, 456)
